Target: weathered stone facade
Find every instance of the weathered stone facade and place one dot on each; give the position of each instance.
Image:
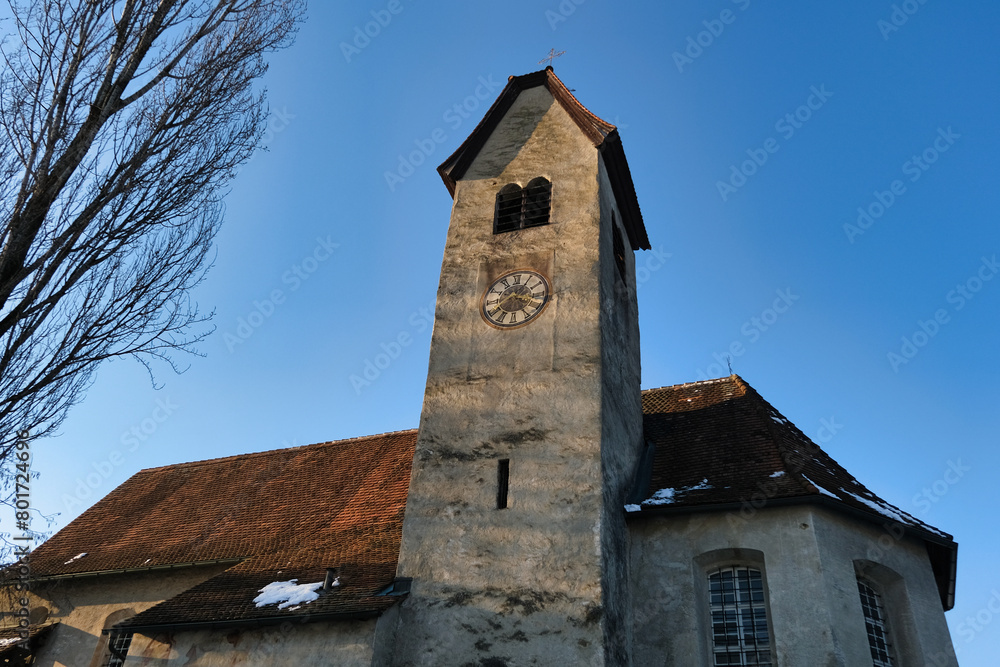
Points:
(542, 581)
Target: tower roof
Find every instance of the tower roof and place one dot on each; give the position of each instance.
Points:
(601, 133)
(718, 444)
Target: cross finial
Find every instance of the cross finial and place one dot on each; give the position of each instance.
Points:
(552, 56)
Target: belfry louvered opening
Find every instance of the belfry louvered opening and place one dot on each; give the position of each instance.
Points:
(517, 207)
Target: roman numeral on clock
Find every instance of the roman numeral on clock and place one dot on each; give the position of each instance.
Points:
(514, 299)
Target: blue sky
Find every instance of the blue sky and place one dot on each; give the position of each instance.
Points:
(754, 133)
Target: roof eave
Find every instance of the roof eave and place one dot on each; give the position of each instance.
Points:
(623, 189)
(942, 550)
(42, 578)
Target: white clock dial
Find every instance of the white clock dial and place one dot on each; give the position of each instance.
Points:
(514, 299)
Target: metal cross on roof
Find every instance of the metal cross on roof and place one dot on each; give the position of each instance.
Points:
(552, 56)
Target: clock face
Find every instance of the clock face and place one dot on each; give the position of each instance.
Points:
(514, 299)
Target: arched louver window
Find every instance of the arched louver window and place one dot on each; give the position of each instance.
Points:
(537, 201)
(518, 207)
(508, 213)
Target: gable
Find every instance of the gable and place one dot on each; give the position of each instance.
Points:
(600, 134)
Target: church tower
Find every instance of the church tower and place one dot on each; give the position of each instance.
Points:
(531, 429)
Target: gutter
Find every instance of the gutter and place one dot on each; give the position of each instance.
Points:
(134, 570)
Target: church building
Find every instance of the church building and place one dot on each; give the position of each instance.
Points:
(546, 511)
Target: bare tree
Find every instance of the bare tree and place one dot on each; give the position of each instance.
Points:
(121, 121)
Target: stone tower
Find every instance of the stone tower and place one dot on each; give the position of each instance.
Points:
(531, 429)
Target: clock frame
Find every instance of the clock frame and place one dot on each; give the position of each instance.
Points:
(515, 299)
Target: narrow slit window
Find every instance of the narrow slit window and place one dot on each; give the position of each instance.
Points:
(619, 248)
(503, 479)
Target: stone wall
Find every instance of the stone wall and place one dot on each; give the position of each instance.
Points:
(81, 606)
(810, 558)
(343, 643)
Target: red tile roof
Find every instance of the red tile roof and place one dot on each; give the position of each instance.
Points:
(283, 514)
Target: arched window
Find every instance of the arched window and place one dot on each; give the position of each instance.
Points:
(508, 210)
(112, 648)
(537, 201)
(740, 635)
(517, 207)
(875, 624)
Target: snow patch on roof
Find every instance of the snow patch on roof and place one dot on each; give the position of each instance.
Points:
(288, 593)
(10, 641)
(76, 557)
(880, 506)
(661, 497)
(887, 510)
(821, 489)
(669, 495)
(777, 474)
